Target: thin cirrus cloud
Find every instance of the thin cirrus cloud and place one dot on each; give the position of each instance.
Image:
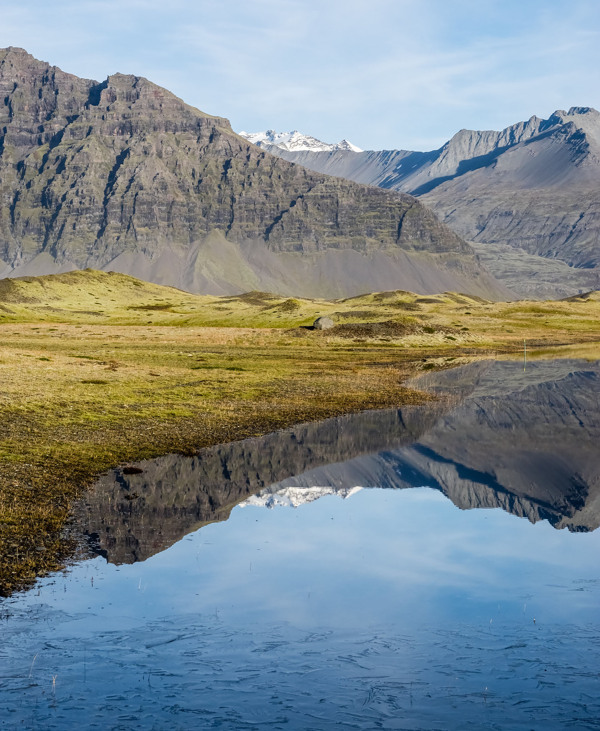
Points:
(414, 92)
(383, 73)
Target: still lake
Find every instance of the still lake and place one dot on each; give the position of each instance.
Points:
(432, 567)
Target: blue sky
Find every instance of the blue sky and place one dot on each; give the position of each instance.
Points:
(382, 73)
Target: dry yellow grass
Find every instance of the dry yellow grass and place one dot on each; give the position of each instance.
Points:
(98, 298)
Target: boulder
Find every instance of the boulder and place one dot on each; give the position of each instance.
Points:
(323, 323)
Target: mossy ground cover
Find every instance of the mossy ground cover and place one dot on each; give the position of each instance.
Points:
(98, 370)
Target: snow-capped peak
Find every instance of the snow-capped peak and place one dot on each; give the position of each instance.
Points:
(296, 142)
(347, 145)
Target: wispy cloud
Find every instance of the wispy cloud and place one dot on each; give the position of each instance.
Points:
(385, 73)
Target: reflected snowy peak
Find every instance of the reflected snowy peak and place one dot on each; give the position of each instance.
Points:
(294, 497)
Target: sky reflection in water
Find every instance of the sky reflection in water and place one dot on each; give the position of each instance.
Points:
(395, 606)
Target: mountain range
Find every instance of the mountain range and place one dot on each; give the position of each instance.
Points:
(527, 197)
(499, 437)
(122, 175)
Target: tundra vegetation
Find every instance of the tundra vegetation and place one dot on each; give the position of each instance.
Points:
(99, 369)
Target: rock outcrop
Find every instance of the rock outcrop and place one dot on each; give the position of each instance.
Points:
(323, 323)
(123, 175)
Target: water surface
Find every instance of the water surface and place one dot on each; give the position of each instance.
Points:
(403, 606)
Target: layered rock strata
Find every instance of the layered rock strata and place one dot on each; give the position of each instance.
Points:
(123, 175)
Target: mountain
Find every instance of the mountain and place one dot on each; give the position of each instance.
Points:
(523, 441)
(122, 175)
(533, 186)
(295, 142)
(131, 514)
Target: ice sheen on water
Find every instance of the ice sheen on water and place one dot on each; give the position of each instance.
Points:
(389, 609)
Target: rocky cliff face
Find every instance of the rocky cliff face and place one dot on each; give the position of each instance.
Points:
(523, 441)
(533, 186)
(124, 175)
(539, 192)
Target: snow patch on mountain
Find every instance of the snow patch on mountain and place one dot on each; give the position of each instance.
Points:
(296, 142)
(295, 496)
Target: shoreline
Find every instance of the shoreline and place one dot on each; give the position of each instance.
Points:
(159, 371)
(38, 494)
(47, 542)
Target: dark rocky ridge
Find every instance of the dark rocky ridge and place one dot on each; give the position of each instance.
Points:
(129, 517)
(524, 441)
(124, 175)
(533, 186)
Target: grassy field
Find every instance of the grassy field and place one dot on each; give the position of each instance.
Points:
(99, 369)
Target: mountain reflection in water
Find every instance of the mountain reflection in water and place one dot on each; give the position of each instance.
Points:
(498, 436)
